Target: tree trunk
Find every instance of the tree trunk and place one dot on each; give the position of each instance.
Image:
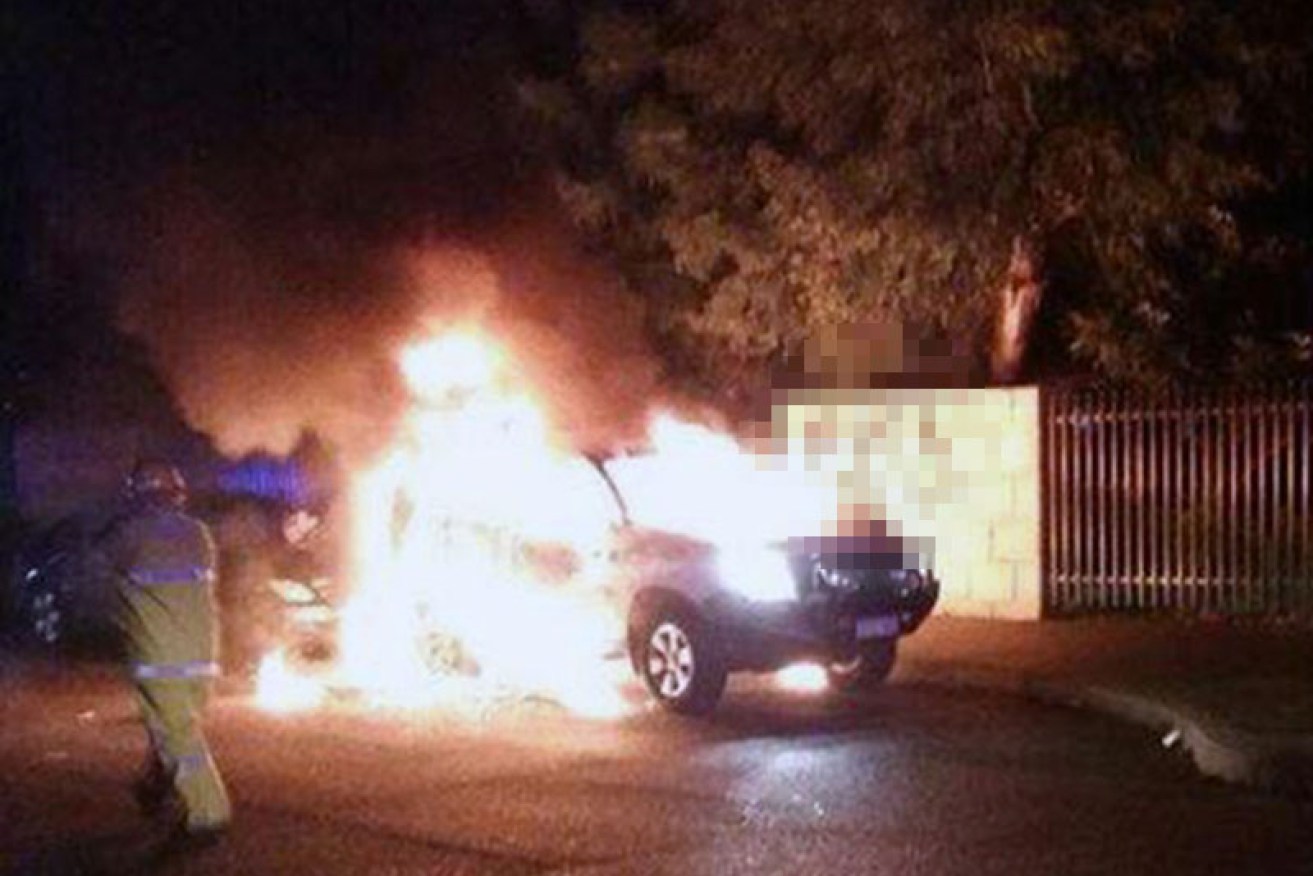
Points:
(1019, 301)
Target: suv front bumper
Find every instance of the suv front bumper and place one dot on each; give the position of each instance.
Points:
(824, 626)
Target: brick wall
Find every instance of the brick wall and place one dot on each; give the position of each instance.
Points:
(955, 470)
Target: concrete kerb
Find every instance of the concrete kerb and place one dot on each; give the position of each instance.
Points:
(1280, 763)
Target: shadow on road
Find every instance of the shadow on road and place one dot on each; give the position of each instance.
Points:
(124, 852)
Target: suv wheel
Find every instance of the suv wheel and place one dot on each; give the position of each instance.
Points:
(869, 668)
(679, 662)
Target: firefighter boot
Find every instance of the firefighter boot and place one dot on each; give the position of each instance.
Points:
(173, 706)
(153, 788)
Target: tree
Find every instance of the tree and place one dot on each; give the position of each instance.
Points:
(762, 170)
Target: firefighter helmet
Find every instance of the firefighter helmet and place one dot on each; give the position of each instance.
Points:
(156, 481)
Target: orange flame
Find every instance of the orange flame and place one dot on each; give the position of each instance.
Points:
(480, 551)
(454, 534)
(281, 689)
(699, 482)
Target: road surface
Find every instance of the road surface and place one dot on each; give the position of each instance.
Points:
(909, 781)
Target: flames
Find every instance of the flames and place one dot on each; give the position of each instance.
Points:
(479, 557)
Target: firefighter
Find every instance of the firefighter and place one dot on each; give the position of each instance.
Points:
(164, 567)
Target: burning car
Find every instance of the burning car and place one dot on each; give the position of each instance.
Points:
(480, 541)
(691, 611)
(696, 611)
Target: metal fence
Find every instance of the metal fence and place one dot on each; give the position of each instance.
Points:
(1191, 500)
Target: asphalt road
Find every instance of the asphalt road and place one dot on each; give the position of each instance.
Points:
(908, 781)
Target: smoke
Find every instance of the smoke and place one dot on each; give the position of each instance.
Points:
(577, 333)
(287, 195)
(267, 321)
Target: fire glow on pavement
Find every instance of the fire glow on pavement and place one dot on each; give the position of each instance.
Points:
(802, 678)
(480, 547)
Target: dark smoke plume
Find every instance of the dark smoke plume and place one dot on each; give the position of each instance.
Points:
(266, 322)
(282, 194)
(578, 333)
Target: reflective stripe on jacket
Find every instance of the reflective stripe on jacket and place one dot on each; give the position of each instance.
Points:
(165, 562)
(189, 576)
(191, 669)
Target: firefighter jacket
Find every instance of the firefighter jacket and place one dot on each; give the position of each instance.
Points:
(164, 563)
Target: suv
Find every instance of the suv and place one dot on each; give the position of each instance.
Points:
(696, 612)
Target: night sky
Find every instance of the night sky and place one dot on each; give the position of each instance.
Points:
(111, 96)
(112, 91)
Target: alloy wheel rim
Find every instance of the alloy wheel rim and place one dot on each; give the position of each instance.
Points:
(670, 660)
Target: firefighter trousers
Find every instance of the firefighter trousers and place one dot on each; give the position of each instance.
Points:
(171, 710)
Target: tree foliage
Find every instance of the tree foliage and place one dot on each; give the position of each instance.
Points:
(763, 170)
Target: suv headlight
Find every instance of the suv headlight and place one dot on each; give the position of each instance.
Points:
(758, 573)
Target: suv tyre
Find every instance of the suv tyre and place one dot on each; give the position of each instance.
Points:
(679, 660)
(869, 668)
